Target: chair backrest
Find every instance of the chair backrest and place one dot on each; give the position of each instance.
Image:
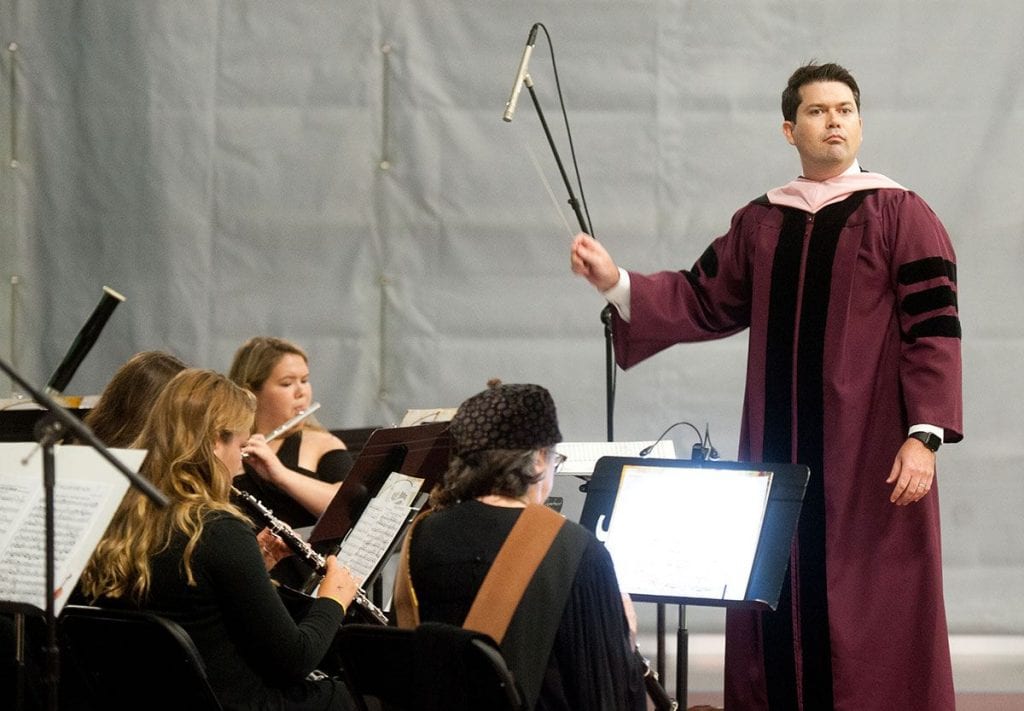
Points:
(430, 668)
(126, 659)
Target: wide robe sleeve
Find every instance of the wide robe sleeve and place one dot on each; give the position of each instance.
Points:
(710, 300)
(924, 279)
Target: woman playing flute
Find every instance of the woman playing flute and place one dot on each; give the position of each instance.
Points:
(297, 474)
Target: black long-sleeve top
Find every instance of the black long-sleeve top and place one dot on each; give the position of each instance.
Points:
(256, 655)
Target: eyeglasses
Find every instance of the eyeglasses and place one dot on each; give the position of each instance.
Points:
(559, 459)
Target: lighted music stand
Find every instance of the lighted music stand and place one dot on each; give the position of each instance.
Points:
(420, 451)
(744, 515)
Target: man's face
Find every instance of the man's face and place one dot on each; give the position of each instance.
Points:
(827, 130)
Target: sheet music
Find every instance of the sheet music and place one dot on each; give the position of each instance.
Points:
(382, 520)
(583, 456)
(687, 532)
(422, 417)
(87, 492)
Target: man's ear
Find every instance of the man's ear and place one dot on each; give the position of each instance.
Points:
(787, 131)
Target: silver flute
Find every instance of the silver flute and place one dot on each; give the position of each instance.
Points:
(288, 424)
(293, 421)
(294, 541)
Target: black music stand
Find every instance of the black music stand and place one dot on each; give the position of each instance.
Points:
(19, 425)
(420, 451)
(769, 542)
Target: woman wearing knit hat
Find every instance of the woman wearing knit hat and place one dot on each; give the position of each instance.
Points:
(489, 556)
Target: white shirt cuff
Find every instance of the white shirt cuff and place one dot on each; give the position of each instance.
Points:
(618, 295)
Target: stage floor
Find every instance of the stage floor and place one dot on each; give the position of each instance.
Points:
(988, 671)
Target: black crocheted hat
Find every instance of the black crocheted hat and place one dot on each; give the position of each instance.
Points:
(505, 417)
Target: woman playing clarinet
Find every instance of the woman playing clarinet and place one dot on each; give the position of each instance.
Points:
(198, 561)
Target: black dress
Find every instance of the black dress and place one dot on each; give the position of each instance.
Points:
(332, 468)
(591, 665)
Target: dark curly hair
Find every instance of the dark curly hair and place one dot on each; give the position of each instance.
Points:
(505, 472)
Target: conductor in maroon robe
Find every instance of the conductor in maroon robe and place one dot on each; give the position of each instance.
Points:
(847, 282)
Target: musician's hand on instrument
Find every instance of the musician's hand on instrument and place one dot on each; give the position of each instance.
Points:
(262, 458)
(272, 547)
(591, 260)
(338, 583)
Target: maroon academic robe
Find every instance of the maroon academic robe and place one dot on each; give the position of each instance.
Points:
(854, 336)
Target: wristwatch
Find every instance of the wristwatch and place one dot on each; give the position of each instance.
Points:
(929, 440)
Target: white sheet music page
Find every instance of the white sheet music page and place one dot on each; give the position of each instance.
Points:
(427, 416)
(687, 532)
(87, 493)
(371, 537)
(583, 456)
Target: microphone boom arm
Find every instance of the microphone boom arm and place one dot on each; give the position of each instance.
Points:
(573, 202)
(606, 316)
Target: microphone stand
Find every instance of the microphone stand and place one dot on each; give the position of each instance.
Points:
(700, 452)
(609, 370)
(49, 430)
(573, 202)
(606, 319)
(606, 313)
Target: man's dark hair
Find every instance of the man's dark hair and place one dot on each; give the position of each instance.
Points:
(809, 74)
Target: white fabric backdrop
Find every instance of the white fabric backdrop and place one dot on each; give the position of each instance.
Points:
(337, 173)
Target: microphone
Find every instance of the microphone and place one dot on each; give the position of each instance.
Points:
(521, 74)
(647, 450)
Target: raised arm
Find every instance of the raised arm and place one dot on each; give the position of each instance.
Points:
(591, 261)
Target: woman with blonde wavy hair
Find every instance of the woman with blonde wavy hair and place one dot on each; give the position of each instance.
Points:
(198, 561)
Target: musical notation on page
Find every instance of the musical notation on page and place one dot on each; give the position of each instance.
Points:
(371, 537)
(87, 493)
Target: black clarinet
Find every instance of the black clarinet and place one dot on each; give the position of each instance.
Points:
(305, 551)
(655, 691)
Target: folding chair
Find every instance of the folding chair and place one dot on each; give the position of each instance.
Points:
(431, 668)
(120, 659)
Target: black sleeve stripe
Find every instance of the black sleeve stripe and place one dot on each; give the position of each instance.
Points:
(932, 299)
(709, 262)
(925, 269)
(939, 326)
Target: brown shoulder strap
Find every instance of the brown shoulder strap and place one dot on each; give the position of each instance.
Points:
(522, 552)
(407, 607)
